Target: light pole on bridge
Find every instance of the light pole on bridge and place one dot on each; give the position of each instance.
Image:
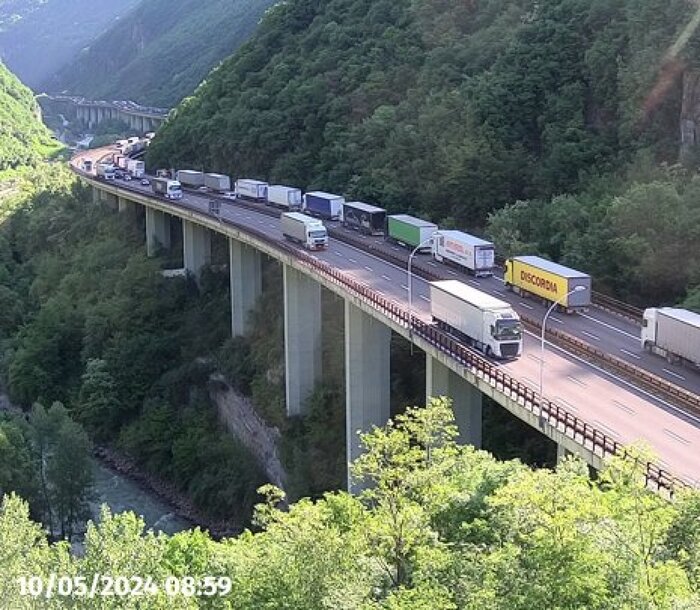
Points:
(410, 286)
(544, 324)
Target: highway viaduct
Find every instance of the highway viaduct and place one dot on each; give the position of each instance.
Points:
(370, 317)
(91, 113)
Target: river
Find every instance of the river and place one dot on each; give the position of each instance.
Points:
(122, 494)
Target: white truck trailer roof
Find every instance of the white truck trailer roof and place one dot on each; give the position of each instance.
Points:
(682, 315)
(471, 295)
(472, 240)
(550, 266)
(298, 216)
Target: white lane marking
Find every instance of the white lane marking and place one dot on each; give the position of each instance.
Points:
(451, 272)
(533, 357)
(681, 412)
(576, 381)
(624, 407)
(395, 248)
(590, 335)
(610, 326)
(557, 320)
(272, 226)
(367, 267)
(605, 428)
(425, 298)
(337, 253)
(500, 279)
(352, 260)
(404, 286)
(677, 437)
(475, 282)
(674, 374)
(525, 305)
(630, 354)
(386, 277)
(564, 403)
(431, 264)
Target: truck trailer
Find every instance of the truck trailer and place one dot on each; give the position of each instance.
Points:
(253, 190)
(410, 231)
(473, 254)
(485, 322)
(304, 230)
(136, 168)
(285, 197)
(364, 217)
(673, 333)
(107, 171)
(190, 177)
(170, 189)
(324, 205)
(553, 282)
(217, 182)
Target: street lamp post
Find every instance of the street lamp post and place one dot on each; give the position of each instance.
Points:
(544, 323)
(410, 286)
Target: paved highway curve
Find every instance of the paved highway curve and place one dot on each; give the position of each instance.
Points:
(613, 405)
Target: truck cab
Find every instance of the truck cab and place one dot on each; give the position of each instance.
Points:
(649, 328)
(506, 332)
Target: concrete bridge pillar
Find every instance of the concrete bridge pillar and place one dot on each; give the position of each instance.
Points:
(111, 200)
(367, 378)
(124, 204)
(562, 452)
(466, 399)
(196, 247)
(302, 337)
(157, 231)
(245, 267)
(96, 195)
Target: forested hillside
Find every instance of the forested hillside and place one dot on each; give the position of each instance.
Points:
(38, 36)
(456, 109)
(161, 51)
(23, 137)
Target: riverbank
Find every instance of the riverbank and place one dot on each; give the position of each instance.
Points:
(166, 492)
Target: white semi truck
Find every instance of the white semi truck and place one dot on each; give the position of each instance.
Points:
(673, 333)
(483, 321)
(170, 189)
(304, 230)
(217, 182)
(475, 255)
(286, 197)
(254, 190)
(107, 171)
(190, 177)
(136, 168)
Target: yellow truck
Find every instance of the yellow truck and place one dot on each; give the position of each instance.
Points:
(552, 282)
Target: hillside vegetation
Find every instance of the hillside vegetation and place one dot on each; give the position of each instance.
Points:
(161, 51)
(23, 137)
(440, 527)
(455, 109)
(38, 36)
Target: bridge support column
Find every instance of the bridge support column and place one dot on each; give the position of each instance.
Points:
(157, 231)
(111, 200)
(466, 399)
(124, 204)
(302, 337)
(196, 247)
(367, 379)
(562, 452)
(245, 267)
(96, 198)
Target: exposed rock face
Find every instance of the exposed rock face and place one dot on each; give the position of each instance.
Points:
(690, 114)
(240, 418)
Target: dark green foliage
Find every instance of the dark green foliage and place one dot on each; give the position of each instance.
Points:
(124, 348)
(23, 138)
(160, 51)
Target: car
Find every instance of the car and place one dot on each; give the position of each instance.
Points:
(127, 177)
(145, 182)
(229, 194)
(203, 189)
